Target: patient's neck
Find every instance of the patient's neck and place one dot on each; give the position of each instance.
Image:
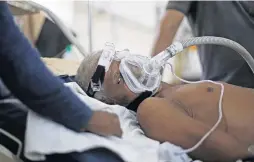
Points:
(166, 89)
(165, 86)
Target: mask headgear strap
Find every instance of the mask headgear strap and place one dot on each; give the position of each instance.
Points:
(134, 104)
(105, 60)
(96, 81)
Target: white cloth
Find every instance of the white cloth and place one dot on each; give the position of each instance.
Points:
(44, 137)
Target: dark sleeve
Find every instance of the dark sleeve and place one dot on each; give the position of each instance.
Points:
(181, 6)
(23, 72)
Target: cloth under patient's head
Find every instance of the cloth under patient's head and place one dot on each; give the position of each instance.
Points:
(114, 90)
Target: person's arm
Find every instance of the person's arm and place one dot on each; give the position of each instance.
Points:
(164, 121)
(169, 24)
(29, 80)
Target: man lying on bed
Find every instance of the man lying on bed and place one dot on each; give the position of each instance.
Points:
(183, 114)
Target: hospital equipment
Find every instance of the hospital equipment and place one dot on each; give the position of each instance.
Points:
(6, 154)
(219, 107)
(154, 65)
(105, 60)
(177, 47)
(131, 70)
(108, 55)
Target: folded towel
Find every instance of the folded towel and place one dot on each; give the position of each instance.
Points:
(44, 137)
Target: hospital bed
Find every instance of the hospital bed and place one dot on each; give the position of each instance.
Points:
(5, 154)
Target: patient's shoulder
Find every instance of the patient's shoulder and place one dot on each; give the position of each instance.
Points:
(152, 104)
(148, 107)
(151, 101)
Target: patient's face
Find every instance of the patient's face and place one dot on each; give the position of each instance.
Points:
(115, 88)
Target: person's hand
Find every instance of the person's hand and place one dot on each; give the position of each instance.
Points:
(105, 124)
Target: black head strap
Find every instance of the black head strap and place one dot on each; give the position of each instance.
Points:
(96, 81)
(248, 159)
(134, 104)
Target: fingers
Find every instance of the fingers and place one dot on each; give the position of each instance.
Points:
(105, 124)
(118, 131)
(117, 126)
(119, 134)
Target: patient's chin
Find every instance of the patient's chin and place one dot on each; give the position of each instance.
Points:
(124, 102)
(107, 101)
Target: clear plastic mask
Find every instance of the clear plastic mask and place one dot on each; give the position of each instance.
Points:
(138, 72)
(136, 77)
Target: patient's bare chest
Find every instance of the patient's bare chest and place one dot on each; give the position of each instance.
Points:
(201, 102)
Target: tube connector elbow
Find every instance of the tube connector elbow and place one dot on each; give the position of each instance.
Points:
(175, 48)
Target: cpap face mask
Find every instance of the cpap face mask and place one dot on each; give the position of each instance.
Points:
(140, 81)
(133, 69)
(136, 77)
